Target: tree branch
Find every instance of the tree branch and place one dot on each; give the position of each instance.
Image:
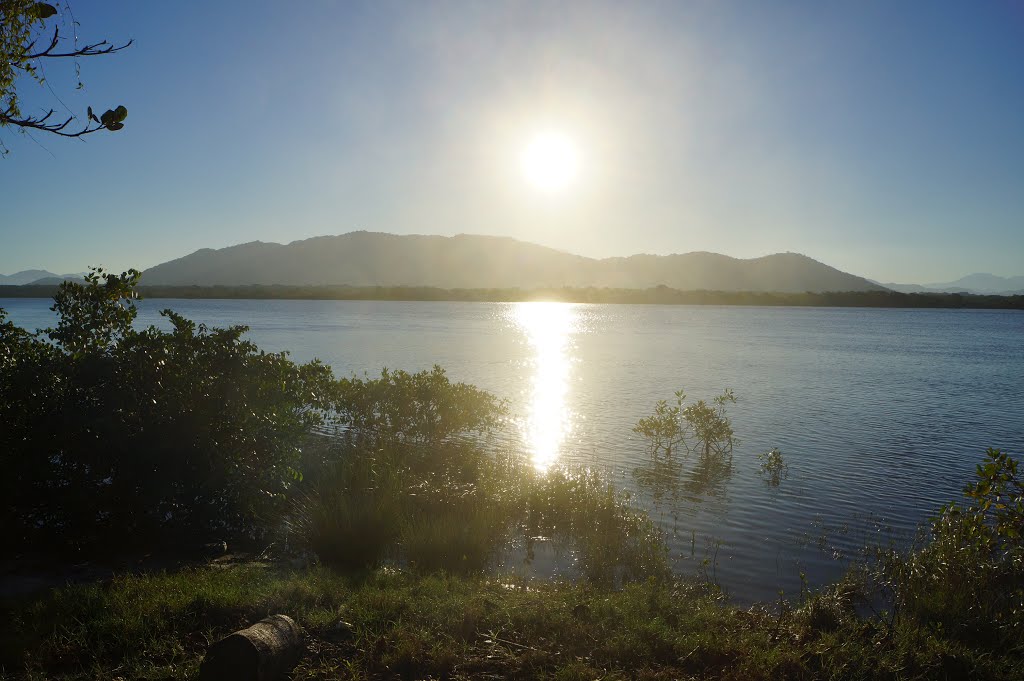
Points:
(24, 52)
(39, 123)
(102, 47)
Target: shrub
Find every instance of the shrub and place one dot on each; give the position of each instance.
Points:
(420, 408)
(970, 576)
(966, 578)
(112, 433)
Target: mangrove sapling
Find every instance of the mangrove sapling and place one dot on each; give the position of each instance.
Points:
(774, 468)
(711, 429)
(675, 432)
(699, 427)
(664, 430)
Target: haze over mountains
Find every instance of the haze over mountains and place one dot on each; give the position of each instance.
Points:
(972, 283)
(473, 261)
(35, 277)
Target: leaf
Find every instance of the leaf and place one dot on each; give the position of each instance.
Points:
(42, 10)
(120, 113)
(115, 126)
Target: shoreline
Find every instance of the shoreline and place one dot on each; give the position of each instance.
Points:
(651, 296)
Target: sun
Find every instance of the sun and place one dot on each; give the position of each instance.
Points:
(550, 162)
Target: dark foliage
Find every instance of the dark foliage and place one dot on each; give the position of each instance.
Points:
(114, 435)
(966, 578)
(423, 408)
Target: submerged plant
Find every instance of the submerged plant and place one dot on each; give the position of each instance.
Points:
(673, 433)
(774, 468)
(700, 427)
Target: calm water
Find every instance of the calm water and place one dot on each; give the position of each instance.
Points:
(879, 413)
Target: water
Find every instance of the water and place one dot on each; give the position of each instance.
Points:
(879, 414)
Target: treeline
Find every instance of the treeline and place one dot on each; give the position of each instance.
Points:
(659, 295)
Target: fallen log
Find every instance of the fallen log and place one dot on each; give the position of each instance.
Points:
(266, 651)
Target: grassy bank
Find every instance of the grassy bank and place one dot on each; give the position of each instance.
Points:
(386, 624)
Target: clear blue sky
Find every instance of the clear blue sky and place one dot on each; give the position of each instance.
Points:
(883, 138)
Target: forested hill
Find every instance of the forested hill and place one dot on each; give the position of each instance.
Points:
(487, 262)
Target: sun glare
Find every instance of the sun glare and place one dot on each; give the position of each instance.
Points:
(548, 328)
(550, 162)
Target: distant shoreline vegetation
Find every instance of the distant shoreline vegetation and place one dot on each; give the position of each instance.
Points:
(660, 295)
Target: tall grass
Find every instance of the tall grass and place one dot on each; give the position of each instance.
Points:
(464, 540)
(614, 541)
(351, 514)
(460, 509)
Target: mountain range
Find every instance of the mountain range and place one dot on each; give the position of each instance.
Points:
(474, 261)
(35, 277)
(972, 283)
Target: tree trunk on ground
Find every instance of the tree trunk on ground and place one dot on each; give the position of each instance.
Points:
(265, 651)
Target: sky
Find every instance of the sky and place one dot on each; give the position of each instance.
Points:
(883, 138)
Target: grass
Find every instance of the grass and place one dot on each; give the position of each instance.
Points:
(464, 541)
(463, 511)
(386, 624)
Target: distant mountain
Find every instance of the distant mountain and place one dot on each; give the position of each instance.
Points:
(37, 277)
(473, 261)
(55, 280)
(25, 277)
(983, 283)
(972, 283)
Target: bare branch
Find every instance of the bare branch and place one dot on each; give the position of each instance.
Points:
(24, 52)
(26, 55)
(39, 123)
(92, 50)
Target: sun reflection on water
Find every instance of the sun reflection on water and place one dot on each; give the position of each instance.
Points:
(548, 328)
